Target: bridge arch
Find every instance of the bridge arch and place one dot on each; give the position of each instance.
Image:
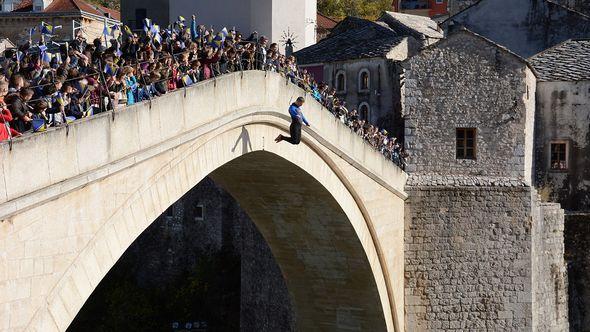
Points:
(359, 270)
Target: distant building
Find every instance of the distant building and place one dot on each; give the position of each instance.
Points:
(276, 19)
(563, 124)
(324, 26)
(430, 8)
(360, 60)
(5, 44)
(17, 17)
(526, 27)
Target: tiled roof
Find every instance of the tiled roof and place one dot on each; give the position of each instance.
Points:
(367, 40)
(568, 61)
(24, 6)
(412, 25)
(324, 22)
(80, 5)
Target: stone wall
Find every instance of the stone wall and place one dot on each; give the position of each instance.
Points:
(483, 258)
(577, 246)
(549, 273)
(582, 6)
(468, 258)
(563, 115)
(456, 6)
(468, 82)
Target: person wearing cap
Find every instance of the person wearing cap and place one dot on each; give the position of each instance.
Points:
(297, 120)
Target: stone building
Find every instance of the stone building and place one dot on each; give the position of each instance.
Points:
(430, 8)
(17, 18)
(360, 59)
(562, 146)
(482, 250)
(456, 6)
(526, 27)
(276, 19)
(563, 124)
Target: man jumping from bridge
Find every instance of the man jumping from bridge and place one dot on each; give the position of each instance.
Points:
(297, 120)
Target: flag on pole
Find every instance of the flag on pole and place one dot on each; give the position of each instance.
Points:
(106, 31)
(32, 32)
(147, 24)
(114, 30)
(48, 29)
(186, 79)
(46, 57)
(127, 30)
(108, 70)
(224, 32)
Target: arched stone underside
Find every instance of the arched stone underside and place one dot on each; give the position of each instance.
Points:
(324, 264)
(345, 244)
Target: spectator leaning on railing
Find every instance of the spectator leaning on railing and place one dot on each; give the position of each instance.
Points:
(51, 84)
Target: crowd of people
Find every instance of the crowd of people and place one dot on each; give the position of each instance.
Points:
(47, 84)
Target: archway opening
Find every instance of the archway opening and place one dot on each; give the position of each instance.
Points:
(320, 258)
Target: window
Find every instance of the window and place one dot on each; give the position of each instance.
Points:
(365, 111)
(199, 212)
(364, 80)
(438, 2)
(341, 82)
(140, 15)
(559, 154)
(466, 143)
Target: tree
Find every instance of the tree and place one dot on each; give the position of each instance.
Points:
(369, 9)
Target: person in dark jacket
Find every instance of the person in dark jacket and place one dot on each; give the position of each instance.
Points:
(297, 120)
(20, 110)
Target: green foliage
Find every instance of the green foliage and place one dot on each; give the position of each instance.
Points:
(369, 9)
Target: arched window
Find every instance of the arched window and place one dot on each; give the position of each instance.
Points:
(364, 80)
(341, 81)
(365, 111)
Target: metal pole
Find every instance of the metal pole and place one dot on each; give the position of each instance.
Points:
(107, 88)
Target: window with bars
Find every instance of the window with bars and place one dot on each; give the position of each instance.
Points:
(559, 156)
(466, 143)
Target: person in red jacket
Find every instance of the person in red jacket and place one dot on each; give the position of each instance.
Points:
(5, 116)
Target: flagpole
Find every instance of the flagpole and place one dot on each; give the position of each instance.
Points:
(106, 45)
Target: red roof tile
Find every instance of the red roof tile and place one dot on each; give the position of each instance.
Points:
(325, 22)
(24, 6)
(80, 5)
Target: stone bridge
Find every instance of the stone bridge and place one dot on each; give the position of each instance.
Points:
(331, 209)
